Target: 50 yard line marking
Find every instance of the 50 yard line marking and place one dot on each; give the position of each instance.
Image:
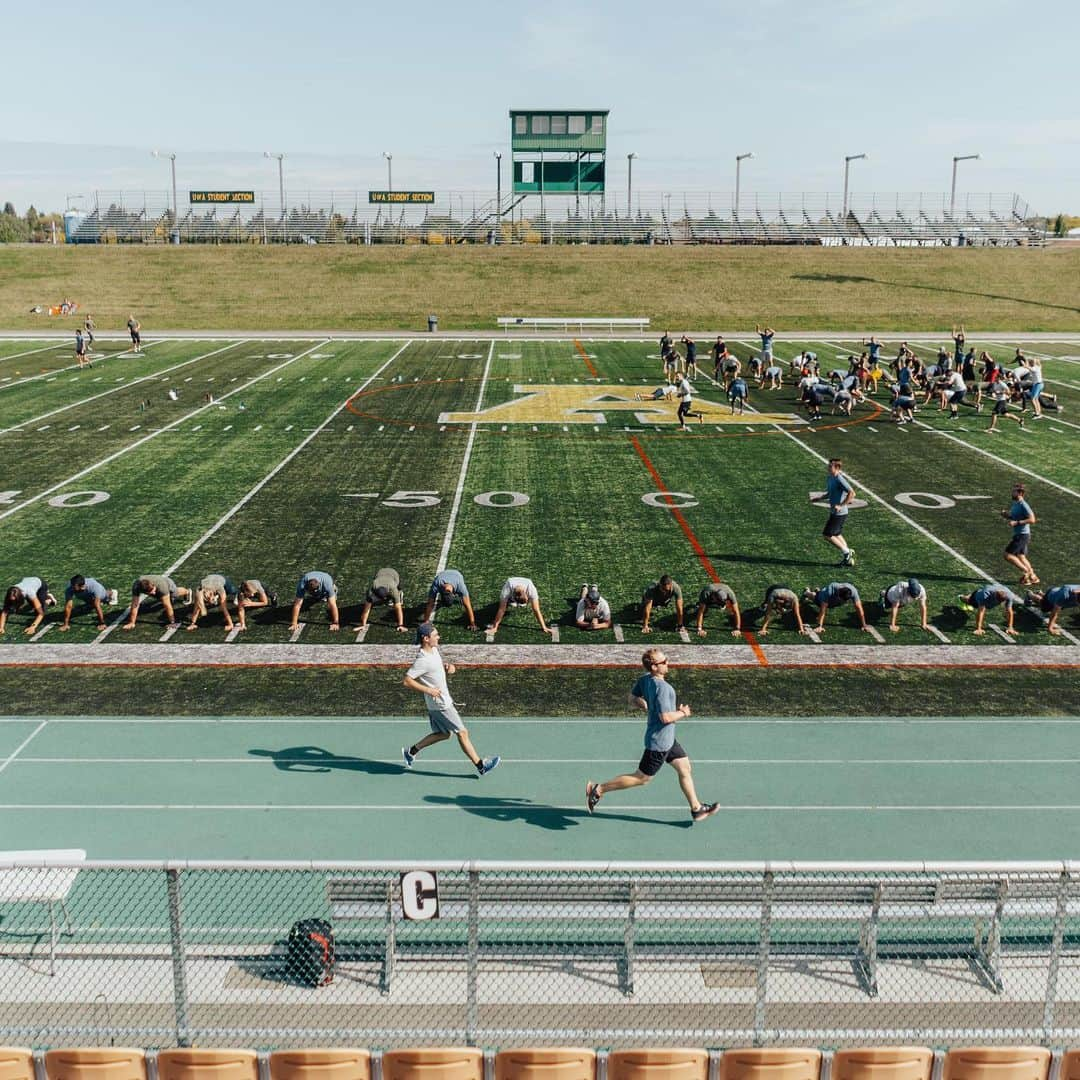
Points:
(154, 434)
(456, 505)
(281, 464)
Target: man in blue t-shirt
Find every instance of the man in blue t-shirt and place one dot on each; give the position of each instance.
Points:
(449, 588)
(840, 493)
(1020, 517)
(1054, 601)
(986, 597)
(92, 593)
(834, 595)
(656, 696)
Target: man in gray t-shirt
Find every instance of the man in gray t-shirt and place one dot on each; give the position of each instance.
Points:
(428, 676)
(656, 696)
(385, 588)
(778, 599)
(718, 595)
(161, 587)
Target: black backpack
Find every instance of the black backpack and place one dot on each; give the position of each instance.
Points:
(310, 957)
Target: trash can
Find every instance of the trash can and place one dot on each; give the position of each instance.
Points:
(432, 323)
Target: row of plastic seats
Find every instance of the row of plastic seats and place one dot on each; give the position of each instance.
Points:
(547, 1063)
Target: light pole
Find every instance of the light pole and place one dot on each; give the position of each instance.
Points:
(68, 198)
(739, 159)
(629, 183)
(280, 158)
(847, 168)
(952, 197)
(389, 171)
(498, 195)
(176, 216)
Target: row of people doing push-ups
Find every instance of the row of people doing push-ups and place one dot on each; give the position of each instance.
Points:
(592, 610)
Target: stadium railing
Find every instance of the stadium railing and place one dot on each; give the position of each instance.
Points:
(513, 322)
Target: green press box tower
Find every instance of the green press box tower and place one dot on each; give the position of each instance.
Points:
(558, 151)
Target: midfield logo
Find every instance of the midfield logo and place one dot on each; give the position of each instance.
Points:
(588, 404)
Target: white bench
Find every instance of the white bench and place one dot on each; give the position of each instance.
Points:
(509, 323)
(41, 877)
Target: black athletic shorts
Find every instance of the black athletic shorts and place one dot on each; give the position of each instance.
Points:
(835, 525)
(684, 409)
(652, 760)
(1001, 407)
(1018, 545)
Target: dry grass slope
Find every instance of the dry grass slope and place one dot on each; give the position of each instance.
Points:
(357, 288)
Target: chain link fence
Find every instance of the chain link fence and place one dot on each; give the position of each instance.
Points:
(498, 954)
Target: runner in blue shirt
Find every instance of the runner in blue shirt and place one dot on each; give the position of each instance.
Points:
(840, 493)
(1020, 517)
(656, 696)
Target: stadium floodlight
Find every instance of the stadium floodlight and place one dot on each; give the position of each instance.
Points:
(176, 216)
(389, 171)
(629, 183)
(280, 159)
(952, 197)
(498, 191)
(739, 159)
(847, 167)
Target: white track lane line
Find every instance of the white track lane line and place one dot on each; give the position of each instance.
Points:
(152, 435)
(116, 389)
(455, 507)
(280, 465)
(26, 742)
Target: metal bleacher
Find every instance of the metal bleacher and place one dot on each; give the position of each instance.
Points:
(873, 219)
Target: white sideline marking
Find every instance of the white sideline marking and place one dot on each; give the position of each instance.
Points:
(168, 633)
(145, 439)
(233, 634)
(1007, 638)
(43, 631)
(113, 390)
(1000, 460)
(111, 627)
(684, 635)
(554, 633)
(295, 635)
(455, 507)
(618, 631)
(362, 633)
(937, 633)
(875, 634)
(50, 376)
(22, 746)
(281, 464)
(31, 352)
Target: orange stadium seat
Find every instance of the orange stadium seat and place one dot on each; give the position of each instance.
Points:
(95, 1063)
(192, 1064)
(658, 1063)
(16, 1063)
(333, 1064)
(1070, 1066)
(883, 1063)
(997, 1063)
(546, 1063)
(433, 1063)
(763, 1063)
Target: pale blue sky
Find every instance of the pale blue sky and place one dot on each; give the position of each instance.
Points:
(333, 84)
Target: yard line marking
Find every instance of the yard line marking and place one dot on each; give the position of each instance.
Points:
(114, 389)
(51, 376)
(455, 507)
(111, 627)
(684, 635)
(233, 634)
(43, 631)
(618, 631)
(295, 635)
(31, 352)
(280, 465)
(22, 746)
(1000, 460)
(554, 633)
(812, 634)
(1007, 638)
(258, 427)
(937, 633)
(489, 636)
(875, 634)
(361, 633)
(146, 438)
(168, 633)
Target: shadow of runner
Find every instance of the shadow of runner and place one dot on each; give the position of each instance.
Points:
(543, 816)
(314, 759)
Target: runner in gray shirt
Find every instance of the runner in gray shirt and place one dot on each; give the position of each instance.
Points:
(428, 676)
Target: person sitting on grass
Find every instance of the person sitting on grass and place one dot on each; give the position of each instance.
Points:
(32, 591)
(315, 587)
(1053, 602)
(779, 599)
(834, 595)
(986, 597)
(718, 595)
(92, 593)
(519, 592)
(593, 612)
(385, 588)
(900, 595)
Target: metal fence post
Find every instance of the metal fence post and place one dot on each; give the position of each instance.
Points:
(1056, 943)
(179, 963)
(472, 975)
(764, 933)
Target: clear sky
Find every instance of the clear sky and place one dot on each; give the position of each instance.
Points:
(91, 89)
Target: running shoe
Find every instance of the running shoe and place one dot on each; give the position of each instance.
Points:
(592, 797)
(407, 757)
(849, 558)
(114, 596)
(705, 810)
(962, 603)
(488, 764)
(273, 599)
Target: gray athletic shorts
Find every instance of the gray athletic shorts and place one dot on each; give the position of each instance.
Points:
(445, 720)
